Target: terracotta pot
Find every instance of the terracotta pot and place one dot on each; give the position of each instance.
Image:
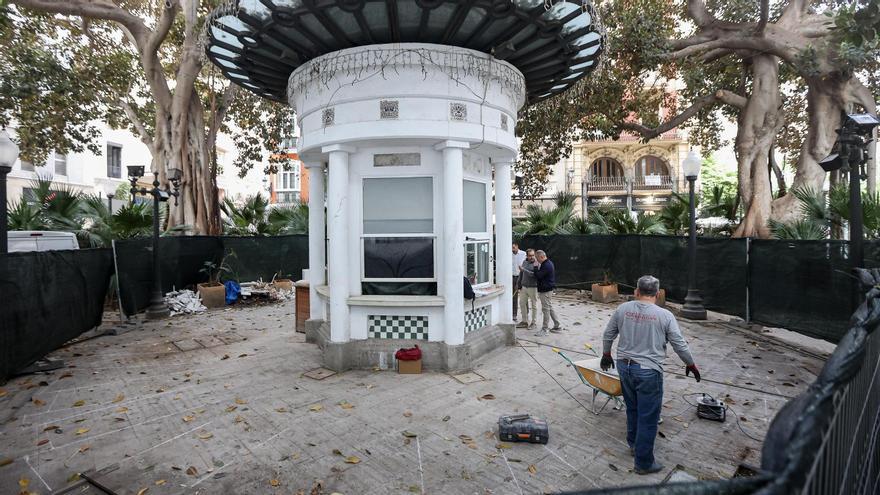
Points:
(284, 284)
(213, 295)
(661, 298)
(604, 293)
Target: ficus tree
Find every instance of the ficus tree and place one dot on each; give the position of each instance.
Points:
(136, 64)
(782, 71)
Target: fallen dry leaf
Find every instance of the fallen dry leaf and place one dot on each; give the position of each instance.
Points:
(447, 418)
(121, 409)
(240, 401)
(487, 397)
(532, 469)
(5, 461)
(409, 434)
(407, 414)
(73, 477)
(82, 431)
(239, 419)
(66, 374)
(352, 459)
(205, 435)
(337, 452)
(79, 403)
(192, 471)
(43, 442)
(346, 405)
(187, 419)
(225, 356)
(231, 408)
(3, 393)
(242, 355)
(23, 483)
(281, 409)
(142, 491)
(274, 482)
(119, 398)
(84, 448)
(503, 445)
(316, 407)
(38, 402)
(160, 482)
(51, 427)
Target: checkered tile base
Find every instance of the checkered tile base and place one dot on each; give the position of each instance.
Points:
(476, 319)
(397, 327)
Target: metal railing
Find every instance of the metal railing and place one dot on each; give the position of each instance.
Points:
(652, 182)
(606, 183)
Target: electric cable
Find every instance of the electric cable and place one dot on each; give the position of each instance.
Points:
(554, 378)
(684, 397)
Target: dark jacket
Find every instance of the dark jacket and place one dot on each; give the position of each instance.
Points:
(546, 275)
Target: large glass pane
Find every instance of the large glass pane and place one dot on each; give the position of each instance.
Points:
(482, 262)
(400, 205)
(399, 257)
(474, 206)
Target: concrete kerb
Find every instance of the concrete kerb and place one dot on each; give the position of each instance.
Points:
(379, 353)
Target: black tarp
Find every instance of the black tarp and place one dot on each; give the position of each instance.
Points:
(581, 260)
(181, 260)
(803, 286)
(48, 298)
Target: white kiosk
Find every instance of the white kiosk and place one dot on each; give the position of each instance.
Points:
(407, 144)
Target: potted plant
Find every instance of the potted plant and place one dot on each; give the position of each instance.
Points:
(605, 291)
(284, 284)
(212, 292)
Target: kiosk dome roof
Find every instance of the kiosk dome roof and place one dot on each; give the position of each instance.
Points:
(258, 43)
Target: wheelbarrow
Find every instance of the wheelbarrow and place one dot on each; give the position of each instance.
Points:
(606, 383)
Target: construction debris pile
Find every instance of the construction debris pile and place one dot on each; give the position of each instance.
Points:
(184, 302)
(264, 291)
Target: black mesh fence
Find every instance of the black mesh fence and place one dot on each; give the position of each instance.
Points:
(802, 285)
(181, 260)
(582, 260)
(49, 298)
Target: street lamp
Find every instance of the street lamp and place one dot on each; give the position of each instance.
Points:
(157, 309)
(693, 303)
(110, 197)
(8, 155)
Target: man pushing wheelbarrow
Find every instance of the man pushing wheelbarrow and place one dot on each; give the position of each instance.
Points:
(644, 329)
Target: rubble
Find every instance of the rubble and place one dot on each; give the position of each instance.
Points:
(184, 302)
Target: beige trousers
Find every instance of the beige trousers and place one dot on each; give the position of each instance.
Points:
(528, 304)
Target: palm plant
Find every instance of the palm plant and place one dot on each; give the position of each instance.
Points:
(620, 222)
(289, 219)
(802, 229)
(22, 215)
(247, 219)
(719, 202)
(675, 216)
(539, 221)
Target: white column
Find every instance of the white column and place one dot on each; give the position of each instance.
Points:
(504, 239)
(337, 230)
(317, 274)
(453, 240)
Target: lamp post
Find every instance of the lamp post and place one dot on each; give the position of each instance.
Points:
(110, 197)
(693, 303)
(157, 309)
(8, 155)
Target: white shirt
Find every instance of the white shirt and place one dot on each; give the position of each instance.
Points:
(518, 259)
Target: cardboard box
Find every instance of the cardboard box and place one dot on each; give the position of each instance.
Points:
(409, 367)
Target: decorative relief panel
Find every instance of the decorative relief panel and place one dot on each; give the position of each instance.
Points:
(389, 109)
(328, 116)
(458, 111)
(503, 122)
(397, 160)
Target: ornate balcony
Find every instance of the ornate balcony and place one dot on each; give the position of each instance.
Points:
(653, 182)
(606, 183)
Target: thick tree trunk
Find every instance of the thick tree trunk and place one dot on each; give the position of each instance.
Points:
(759, 122)
(825, 100)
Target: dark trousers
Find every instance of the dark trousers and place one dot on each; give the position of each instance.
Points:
(515, 296)
(643, 395)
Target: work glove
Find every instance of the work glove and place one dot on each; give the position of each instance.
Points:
(607, 362)
(692, 368)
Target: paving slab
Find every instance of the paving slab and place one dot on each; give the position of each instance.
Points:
(241, 416)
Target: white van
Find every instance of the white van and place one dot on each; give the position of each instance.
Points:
(36, 240)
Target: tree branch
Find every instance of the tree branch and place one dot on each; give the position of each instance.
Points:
(132, 116)
(723, 95)
(699, 13)
(765, 16)
(163, 26)
(92, 10)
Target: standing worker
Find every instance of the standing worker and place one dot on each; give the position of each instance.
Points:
(518, 257)
(644, 329)
(545, 272)
(528, 286)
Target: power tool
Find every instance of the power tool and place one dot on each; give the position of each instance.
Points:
(523, 428)
(712, 409)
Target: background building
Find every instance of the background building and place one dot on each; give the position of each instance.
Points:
(103, 174)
